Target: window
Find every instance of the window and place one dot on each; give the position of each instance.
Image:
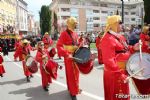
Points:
(95, 11)
(103, 5)
(96, 18)
(132, 19)
(133, 13)
(65, 9)
(126, 13)
(104, 12)
(96, 25)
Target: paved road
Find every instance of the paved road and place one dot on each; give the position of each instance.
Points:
(13, 85)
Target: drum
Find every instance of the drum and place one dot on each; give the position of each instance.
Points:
(83, 59)
(134, 64)
(82, 54)
(31, 64)
(51, 68)
(142, 79)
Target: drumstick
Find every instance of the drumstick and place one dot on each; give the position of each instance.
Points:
(76, 58)
(141, 69)
(140, 46)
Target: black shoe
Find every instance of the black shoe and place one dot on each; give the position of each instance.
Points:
(73, 97)
(31, 76)
(28, 79)
(1, 75)
(45, 88)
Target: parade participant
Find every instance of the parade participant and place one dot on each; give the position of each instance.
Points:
(24, 51)
(2, 70)
(66, 45)
(42, 56)
(145, 38)
(5, 47)
(98, 39)
(47, 40)
(115, 53)
(17, 45)
(81, 39)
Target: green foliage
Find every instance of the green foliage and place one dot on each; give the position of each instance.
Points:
(147, 12)
(45, 19)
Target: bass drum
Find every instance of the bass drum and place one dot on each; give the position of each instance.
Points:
(51, 68)
(141, 80)
(134, 64)
(84, 61)
(31, 64)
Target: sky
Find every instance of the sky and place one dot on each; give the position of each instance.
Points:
(35, 6)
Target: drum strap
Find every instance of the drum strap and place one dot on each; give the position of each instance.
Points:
(73, 42)
(122, 42)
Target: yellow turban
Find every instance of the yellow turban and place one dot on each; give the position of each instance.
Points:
(112, 22)
(25, 41)
(46, 33)
(71, 22)
(145, 29)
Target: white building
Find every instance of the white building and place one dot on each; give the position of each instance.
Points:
(31, 26)
(22, 13)
(92, 14)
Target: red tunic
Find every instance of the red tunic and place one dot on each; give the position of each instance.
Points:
(46, 78)
(17, 51)
(24, 51)
(98, 39)
(145, 42)
(2, 70)
(113, 75)
(72, 72)
(143, 86)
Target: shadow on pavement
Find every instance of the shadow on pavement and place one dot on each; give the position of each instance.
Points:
(37, 93)
(17, 82)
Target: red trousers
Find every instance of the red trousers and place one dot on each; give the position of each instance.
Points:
(2, 70)
(72, 76)
(46, 78)
(25, 69)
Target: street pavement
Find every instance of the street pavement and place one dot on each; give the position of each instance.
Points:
(13, 85)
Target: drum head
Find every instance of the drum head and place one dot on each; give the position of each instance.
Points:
(29, 60)
(134, 65)
(82, 53)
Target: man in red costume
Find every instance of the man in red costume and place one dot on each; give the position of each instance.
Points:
(98, 39)
(66, 45)
(2, 70)
(17, 45)
(115, 53)
(47, 40)
(41, 57)
(24, 51)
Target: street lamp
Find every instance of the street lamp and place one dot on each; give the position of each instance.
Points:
(122, 11)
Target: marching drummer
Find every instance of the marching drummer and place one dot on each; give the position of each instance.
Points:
(66, 45)
(17, 52)
(2, 70)
(115, 53)
(42, 57)
(25, 51)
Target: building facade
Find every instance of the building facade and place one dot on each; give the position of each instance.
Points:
(21, 20)
(7, 15)
(92, 14)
